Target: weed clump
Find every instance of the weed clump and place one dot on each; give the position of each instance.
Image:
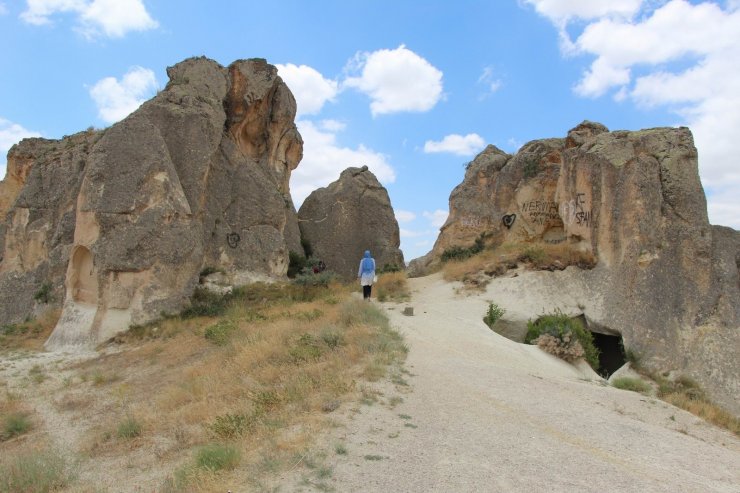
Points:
(632, 384)
(493, 314)
(39, 470)
(220, 333)
(15, 424)
(563, 337)
(216, 457)
(129, 428)
(392, 286)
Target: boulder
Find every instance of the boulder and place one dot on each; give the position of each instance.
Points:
(351, 215)
(663, 277)
(120, 222)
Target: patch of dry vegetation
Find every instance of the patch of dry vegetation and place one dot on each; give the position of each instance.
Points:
(392, 286)
(475, 271)
(685, 393)
(29, 335)
(213, 397)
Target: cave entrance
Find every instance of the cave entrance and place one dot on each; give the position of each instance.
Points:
(611, 353)
(83, 278)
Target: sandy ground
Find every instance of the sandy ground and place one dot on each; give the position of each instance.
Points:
(474, 412)
(482, 413)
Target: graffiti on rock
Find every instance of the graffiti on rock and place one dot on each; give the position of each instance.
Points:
(575, 211)
(540, 211)
(233, 239)
(508, 220)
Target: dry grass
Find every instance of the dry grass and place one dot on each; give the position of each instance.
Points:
(392, 286)
(496, 262)
(263, 387)
(705, 410)
(29, 335)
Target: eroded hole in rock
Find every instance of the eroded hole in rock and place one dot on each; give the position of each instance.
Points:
(83, 278)
(611, 353)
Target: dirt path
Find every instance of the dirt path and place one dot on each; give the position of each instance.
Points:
(487, 414)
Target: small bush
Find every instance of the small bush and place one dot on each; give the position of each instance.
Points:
(205, 303)
(392, 286)
(296, 264)
(388, 268)
(534, 255)
(43, 295)
(15, 424)
(531, 168)
(307, 348)
(494, 313)
(567, 332)
(38, 471)
(231, 425)
(129, 428)
(216, 457)
(220, 333)
(633, 384)
(308, 278)
(332, 338)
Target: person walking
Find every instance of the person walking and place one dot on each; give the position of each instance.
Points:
(366, 274)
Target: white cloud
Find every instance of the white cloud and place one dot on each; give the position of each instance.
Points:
(456, 144)
(112, 18)
(678, 55)
(324, 160)
(11, 133)
(561, 11)
(333, 126)
(310, 88)
(491, 82)
(3, 9)
(396, 80)
(404, 216)
(116, 100)
(436, 218)
(724, 208)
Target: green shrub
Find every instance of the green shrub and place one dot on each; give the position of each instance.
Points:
(296, 263)
(38, 471)
(129, 428)
(332, 338)
(531, 168)
(15, 424)
(566, 330)
(307, 348)
(633, 384)
(44, 293)
(494, 313)
(205, 303)
(216, 457)
(220, 333)
(387, 268)
(458, 253)
(308, 278)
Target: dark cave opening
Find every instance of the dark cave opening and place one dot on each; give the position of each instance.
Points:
(611, 353)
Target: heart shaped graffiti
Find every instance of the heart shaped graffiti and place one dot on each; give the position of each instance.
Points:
(508, 220)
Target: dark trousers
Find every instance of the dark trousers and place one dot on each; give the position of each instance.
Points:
(366, 291)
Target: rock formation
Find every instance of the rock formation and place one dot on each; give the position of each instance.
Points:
(351, 215)
(665, 279)
(120, 222)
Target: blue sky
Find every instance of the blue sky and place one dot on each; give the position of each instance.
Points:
(413, 89)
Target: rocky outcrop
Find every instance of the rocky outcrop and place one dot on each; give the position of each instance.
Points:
(120, 222)
(665, 279)
(351, 215)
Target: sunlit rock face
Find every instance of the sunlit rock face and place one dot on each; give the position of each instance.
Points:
(351, 215)
(120, 222)
(664, 278)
